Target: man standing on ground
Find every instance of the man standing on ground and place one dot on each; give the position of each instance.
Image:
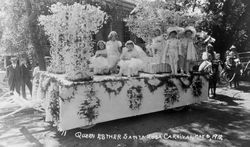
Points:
(26, 77)
(14, 76)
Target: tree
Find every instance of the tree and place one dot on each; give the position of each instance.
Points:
(227, 22)
(14, 38)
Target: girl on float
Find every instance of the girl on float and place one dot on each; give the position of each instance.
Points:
(99, 61)
(157, 46)
(132, 60)
(191, 56)
(113, 50)
(171, 49)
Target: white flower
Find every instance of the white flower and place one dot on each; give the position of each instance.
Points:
(71, 26)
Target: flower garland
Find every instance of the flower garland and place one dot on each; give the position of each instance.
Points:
(89, 108)
(185, 86)
(153, 86)
(135, 97)
(72, 96)
(115, 91)
(54, 107)
(197, 86)
(171, 94)
(70, 29)
(35, 82)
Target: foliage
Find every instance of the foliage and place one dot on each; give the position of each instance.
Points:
(109, 86)
(197, 86)
(89, 108)
(149, 15)
(171, 94)
(14, 28)
(135, 97)
(227, 22)
(70, 29)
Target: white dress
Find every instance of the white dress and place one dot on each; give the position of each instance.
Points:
(157, 48)
(183, 47)
(99, 64)
(170, 53)
(113, 52)
(191, 51)
(134, 61)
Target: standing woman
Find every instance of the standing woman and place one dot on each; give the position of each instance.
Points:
(192, 56)
(157, 46)
(113, 50)
(171, 50)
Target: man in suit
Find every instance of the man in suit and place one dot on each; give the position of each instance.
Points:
(14, 75)
(25, 76)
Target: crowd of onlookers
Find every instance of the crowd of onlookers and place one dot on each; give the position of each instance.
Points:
(19, 74)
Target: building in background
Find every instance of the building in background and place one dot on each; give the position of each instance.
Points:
(118, 10)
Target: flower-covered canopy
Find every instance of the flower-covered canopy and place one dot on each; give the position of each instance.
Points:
(70, 29)
(72, 21)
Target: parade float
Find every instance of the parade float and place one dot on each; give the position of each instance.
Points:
(73, 97)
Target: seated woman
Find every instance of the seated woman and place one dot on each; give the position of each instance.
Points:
(131, 60)
(99, 61)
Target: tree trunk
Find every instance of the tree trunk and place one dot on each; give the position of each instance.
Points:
(32, 14)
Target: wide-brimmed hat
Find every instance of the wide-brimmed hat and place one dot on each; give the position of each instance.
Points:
(190, 28)
(174, 29)
(210, 45)
(232, 47)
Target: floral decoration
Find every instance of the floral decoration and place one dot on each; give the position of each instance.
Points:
(171, 94)
(135, 97)
(109, 86)
(197, 86)
(70, 29)
(89, 108)
(153, 84)
(53, 93)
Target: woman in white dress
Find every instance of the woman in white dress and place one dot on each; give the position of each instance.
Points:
(113, 50)
(132, 60)
(99, 61)
(192, 56)
(171, 49)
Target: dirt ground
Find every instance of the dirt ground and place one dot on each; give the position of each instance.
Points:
(221, 121)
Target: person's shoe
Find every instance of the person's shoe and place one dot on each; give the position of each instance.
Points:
(11, 93)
